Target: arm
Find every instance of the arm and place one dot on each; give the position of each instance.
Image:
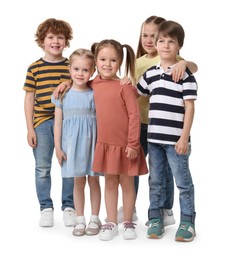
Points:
(180, 67)
(29, 110)
(132, 108)
(61, 87)
(182, 144)
(58, 135)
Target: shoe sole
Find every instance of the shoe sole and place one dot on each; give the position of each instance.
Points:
(46, 225)
(107, 238)
(182, 239)
(154, 236)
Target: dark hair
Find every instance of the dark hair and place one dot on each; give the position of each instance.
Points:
(172, 29)
(157, 20)
(56, 27)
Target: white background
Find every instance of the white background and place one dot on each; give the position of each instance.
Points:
(205, 43)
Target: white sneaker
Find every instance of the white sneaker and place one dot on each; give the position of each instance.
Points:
(46, 218)
(129, 231)
(69, 217)
(108, 231)
(168, 217)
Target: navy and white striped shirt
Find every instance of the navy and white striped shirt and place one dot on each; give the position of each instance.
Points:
(166, 113)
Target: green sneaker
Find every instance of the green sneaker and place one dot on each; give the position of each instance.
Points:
(156, 228)
(185, 232)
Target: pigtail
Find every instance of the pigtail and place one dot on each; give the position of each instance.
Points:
(130, 63)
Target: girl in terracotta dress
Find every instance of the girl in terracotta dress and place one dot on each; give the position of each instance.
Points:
(118, 153)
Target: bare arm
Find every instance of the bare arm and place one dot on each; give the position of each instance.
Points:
(58, 135)
(182, 144)
(29, 111)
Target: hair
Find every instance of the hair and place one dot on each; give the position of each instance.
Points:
(83, 53)
(171, 29)
(157, 20)
(56, 27)
(130, 55)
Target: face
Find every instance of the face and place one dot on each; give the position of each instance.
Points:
(149, 32)
(81, 70)
(107, 62)
(54, 44)
(168, 48)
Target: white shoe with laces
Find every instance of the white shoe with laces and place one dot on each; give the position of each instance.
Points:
(129, 230)
(69, 217)
(46, 218)
(108, 231)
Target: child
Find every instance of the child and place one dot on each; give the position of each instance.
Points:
(53, 36)
(170, 120)
(75, 137)
(118, 153)
(147, 56)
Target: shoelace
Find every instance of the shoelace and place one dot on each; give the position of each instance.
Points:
(130, 225)
(183, 227)
(108, 226)
(154, 224)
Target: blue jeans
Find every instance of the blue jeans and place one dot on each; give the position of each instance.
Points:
(169, 183)
(160, 155)
(43, 154)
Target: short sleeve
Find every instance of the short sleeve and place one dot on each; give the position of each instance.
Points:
(56, 102)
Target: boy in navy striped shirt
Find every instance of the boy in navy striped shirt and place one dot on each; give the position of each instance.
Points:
(170, 119)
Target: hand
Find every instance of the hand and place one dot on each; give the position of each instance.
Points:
(125, 81)
(60, 88)
(181, 147)
(131, 153)
(31, 138)
(60, 156)
(179, 70)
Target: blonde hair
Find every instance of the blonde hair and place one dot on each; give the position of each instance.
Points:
(83, 53)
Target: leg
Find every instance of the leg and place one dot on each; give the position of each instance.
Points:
(79, 203)
(67, 193)
(43, 156)
(127, 184)
(157, 178)
(158, 168)
(180, 168)
(169, 189)
(109, 230)
(95, 194)
(95, 198)
(111, 196)
(79, 195)
(144, 143)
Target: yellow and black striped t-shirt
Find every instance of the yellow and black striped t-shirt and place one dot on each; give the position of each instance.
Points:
(42, 78)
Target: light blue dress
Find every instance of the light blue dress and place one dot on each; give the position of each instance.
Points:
(78, 132)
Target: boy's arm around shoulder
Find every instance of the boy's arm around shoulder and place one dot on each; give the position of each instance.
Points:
(60, 88)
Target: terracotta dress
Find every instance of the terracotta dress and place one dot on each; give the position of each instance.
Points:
(118, 126)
